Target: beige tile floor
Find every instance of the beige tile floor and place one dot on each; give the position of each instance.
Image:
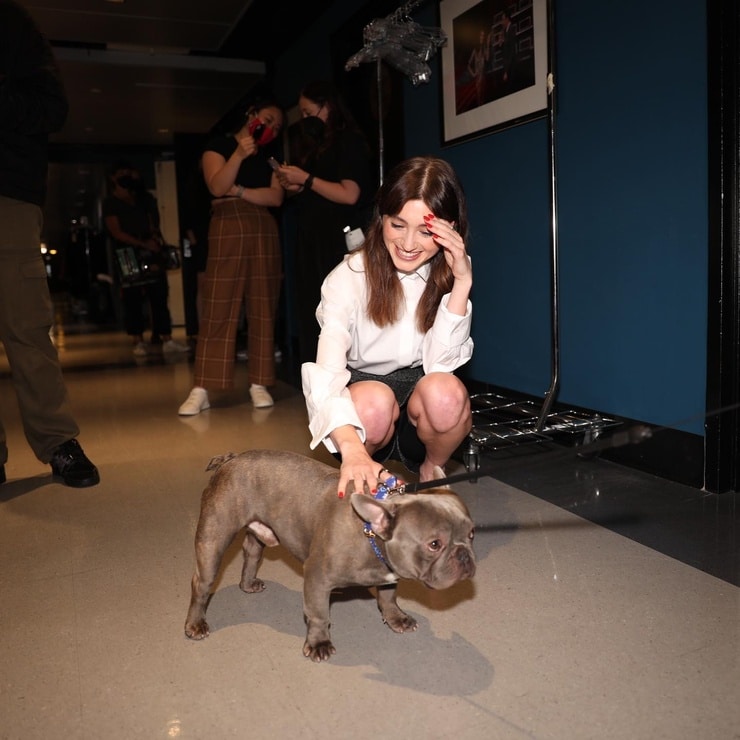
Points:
(569, 630)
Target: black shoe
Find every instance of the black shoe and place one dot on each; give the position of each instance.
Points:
(69, 462)
(2, 474)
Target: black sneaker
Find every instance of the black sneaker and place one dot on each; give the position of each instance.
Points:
(2, 474)
(69, 462)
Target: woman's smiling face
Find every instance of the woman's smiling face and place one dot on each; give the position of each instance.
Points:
(407, 237)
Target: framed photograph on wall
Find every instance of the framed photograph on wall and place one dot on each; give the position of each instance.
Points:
(494, 65)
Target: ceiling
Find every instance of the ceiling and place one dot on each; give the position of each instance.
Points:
(138, 71)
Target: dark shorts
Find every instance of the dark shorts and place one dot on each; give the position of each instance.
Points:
(405, 445)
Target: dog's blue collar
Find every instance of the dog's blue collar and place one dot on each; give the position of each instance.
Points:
(384, 490)
(371, 536)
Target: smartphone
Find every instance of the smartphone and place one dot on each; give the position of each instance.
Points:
(273, 163)
(257, 131)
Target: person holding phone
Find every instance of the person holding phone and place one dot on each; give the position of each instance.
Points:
(244, 265)
(330, 177)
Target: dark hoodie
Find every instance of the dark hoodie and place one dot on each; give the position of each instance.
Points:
(33, 104)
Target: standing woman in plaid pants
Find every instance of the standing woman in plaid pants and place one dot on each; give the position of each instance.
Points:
(244, 260)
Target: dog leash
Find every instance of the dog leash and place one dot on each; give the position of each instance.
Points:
(633, 435)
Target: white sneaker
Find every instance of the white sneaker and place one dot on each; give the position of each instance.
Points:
(260, 396)
(196, 402)
(140, 349)
(172, 346)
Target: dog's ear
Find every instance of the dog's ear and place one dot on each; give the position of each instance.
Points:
(379, 514)
(217, 462)
(439, 474)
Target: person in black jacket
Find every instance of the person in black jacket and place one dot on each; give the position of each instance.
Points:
(330, 177)
(33, 104)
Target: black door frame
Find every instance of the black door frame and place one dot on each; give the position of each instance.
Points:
(722, 428)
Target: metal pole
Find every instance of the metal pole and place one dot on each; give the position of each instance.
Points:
(381, 145)
(555, 297)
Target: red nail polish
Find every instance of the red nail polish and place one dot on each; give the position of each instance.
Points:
(341, 494)
(428, 217)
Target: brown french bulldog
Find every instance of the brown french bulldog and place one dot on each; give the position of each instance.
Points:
(289, 499)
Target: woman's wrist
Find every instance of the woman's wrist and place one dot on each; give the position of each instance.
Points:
(308, 183)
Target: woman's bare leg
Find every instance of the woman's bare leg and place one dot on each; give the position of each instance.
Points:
(378, 410)
(439, 408)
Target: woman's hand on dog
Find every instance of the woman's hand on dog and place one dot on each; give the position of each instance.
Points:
(358, 471)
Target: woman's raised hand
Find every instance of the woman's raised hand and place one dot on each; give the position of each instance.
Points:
(453, 247)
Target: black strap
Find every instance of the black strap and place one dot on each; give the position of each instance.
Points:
(416, 487)
(633, 435)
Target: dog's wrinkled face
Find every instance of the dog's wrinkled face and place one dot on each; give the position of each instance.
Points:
(428, 536)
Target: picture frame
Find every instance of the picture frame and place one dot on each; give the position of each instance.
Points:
(495, 65)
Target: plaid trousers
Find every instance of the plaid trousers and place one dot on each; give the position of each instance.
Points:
(244, 267)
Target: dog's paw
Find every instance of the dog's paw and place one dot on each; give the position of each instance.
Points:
(400, 622)
(197, 630)
(252, 587)
(321, 651)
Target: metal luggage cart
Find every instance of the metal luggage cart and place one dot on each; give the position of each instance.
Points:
(509, 426)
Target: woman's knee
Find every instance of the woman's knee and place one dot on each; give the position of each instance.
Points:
(377, 408)
(442, 399)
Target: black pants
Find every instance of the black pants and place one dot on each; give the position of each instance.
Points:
(157, 296)
(190, 295)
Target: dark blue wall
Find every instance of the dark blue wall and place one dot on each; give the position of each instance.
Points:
(631, 135)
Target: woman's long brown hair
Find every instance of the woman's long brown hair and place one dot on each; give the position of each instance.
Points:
(433, 181)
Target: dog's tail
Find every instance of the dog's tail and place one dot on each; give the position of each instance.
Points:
(219, 460)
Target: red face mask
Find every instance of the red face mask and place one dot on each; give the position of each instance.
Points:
(261, 132)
